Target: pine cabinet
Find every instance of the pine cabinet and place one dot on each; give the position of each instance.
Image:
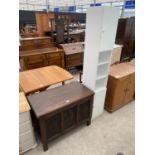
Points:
(120, 86)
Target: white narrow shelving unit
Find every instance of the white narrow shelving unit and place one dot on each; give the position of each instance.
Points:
(101, 25)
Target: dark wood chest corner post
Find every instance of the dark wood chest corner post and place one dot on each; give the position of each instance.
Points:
(90, 110)
(43, 134)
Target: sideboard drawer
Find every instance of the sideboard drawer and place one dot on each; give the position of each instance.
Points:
(53, 55)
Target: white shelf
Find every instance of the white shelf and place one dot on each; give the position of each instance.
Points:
(103, 63)
(102, 70)
(99, 42)
(100, 84)
(104, 56)
(100, 89)
(101, 77)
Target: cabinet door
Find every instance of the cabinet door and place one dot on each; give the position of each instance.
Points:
(130, 89)
(115, 93)
(119, 95)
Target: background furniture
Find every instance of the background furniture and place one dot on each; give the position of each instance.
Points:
(27, 140)
(99, 42)
(126, 37)
(73, 54)
(30, 59)
(60, 109)
(43, 20)
(120, 87)
(116, 54)
(122, 22)
(37, 79)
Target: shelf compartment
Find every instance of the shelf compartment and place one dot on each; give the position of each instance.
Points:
(101, 84)
(104, 56)
(102, 70)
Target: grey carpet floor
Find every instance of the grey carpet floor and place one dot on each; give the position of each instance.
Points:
(108, 134)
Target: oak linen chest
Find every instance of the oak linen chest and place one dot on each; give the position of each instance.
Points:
(60, 109)
(120, 87)
(73, 54)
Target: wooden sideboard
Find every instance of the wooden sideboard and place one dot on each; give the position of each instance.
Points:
(73, 54)
(31, 59)
(60, 109)
(120, 87)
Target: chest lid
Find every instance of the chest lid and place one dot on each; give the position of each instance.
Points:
(59, 97)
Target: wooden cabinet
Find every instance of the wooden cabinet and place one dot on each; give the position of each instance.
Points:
(73, 54)
(126, 36)
(60, 109)
(120, 87)
(27, 139)
(41, 57)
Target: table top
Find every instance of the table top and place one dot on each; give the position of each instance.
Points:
(37, 79)
(53, 99)
(39, 51)
(121, 70)
(23, 104)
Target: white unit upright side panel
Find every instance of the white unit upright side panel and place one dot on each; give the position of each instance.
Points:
(92, 44)
(101, 25)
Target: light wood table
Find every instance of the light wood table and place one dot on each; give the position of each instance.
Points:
(39, 79)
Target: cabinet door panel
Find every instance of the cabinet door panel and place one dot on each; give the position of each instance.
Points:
(118, 99)
(130, 89)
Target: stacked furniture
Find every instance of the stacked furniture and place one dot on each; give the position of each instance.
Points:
(99, 42)
(26, 135)
(35, 43)
(73, 54)
(39, 52)
(60, 109)
(120, 87)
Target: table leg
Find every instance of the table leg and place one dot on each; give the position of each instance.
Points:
(43, 134)
(90, 111)
(63, 82)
